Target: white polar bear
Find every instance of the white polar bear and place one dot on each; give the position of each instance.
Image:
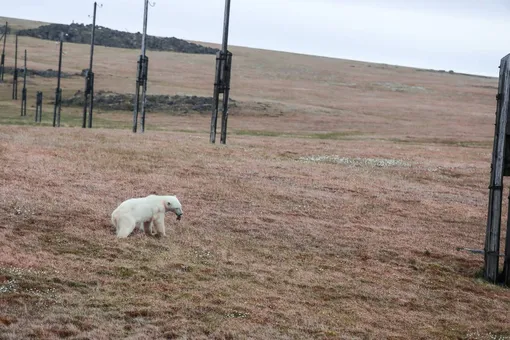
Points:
(145, 211)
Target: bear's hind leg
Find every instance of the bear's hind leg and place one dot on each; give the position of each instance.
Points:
(114, 221)
(125, 226)
(147, 226)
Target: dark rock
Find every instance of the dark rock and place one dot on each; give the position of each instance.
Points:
(45, 74)
(112, 101)
(80, 33)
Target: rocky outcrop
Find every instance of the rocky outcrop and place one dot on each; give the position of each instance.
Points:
(49, 73)
(107, 100)
(80, 34)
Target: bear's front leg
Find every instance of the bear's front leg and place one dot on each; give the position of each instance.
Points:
(159, 222)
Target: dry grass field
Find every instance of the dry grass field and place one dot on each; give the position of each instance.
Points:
(334, 211)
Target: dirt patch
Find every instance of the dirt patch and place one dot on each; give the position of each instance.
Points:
(355, 161)
(398, 87)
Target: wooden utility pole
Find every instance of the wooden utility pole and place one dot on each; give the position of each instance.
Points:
(24, 90)
(15, 75)
(58, 91)
(89, 79)
(500, 167)
(141, 76)
(222, 81)
(2, 58)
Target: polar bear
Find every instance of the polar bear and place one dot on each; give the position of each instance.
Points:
(146, 212)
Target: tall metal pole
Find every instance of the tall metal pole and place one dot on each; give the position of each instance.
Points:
(24, 91)
(493, 229)
(145, 65)
(141, 79)
(226, 21)
(226, 73)
(15, 76)
(2, 58)
(145, 14)
(89, 80)
(222, 81)
(58, 91)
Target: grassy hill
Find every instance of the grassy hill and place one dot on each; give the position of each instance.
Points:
(16, 24)
(334, 211)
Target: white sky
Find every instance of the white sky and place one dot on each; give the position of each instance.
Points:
(468, 36)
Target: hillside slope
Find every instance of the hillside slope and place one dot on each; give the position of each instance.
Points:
(15, 24)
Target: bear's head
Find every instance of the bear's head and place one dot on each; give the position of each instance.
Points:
(172, 204)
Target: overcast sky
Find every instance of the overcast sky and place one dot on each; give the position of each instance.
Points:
(465, 36)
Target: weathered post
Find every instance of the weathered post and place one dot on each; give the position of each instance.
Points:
(141, 76)
(2, 58)
(216, 93)
(137, 93)
(58, 91)
(145, 74)
(500, 167)
(506, 263)
(226, 95)
(15, 74)
(222, 81)
(89, 79)
(38, 107)
(24, 90)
